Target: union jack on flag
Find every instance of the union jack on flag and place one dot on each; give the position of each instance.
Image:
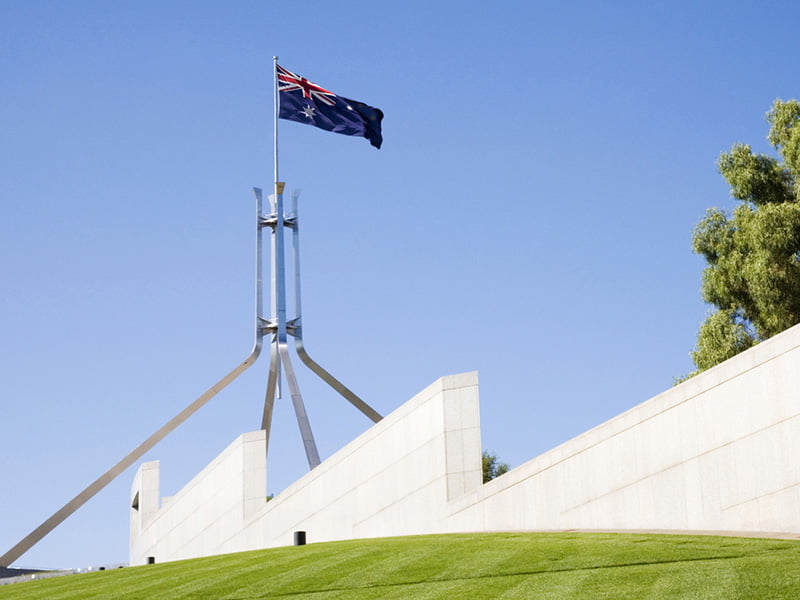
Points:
(289, 82)
(306, 102)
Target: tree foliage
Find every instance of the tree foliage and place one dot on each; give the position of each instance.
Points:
(491, 466)
(753, 252)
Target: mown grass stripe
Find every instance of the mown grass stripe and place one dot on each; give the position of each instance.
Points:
(499, 565)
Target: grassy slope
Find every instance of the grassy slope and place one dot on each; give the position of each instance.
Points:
(475, 566)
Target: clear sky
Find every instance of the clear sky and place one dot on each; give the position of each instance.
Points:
(529, 217)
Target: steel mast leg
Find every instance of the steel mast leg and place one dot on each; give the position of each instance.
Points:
(297, 330)
(269, 400)
(87, 494)
(333, 382)
(299, 409)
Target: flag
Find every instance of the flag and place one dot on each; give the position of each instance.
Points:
(306, 102)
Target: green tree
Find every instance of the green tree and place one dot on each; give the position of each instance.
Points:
(753, 252)
(491, 467)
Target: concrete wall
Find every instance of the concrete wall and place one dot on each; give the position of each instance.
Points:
(717, 453)
(395, 479)
(204, 514)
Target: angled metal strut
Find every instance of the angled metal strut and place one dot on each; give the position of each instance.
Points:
(70, 507)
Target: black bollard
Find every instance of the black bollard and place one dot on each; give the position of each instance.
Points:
(299, 538)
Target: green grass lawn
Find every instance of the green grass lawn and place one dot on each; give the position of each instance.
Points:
(469, 566)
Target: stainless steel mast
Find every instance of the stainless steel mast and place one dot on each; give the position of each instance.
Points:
(278, 325)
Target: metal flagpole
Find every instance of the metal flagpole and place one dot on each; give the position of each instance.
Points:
(294, 327)
(279, 353)
(274, 358)
(276, 113)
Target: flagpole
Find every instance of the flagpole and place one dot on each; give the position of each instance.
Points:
(276, 105)
(279, 326)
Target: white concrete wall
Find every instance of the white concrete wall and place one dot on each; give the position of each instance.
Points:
(394, 479)
(145, 503)
(210, 509)
(717, 453)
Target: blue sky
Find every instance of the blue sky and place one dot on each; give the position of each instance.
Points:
(529, 217)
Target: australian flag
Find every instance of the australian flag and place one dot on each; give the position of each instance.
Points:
(306, 102)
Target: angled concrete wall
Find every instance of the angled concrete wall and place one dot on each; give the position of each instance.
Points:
(204, 514)
(395, 479)
(717, 453)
